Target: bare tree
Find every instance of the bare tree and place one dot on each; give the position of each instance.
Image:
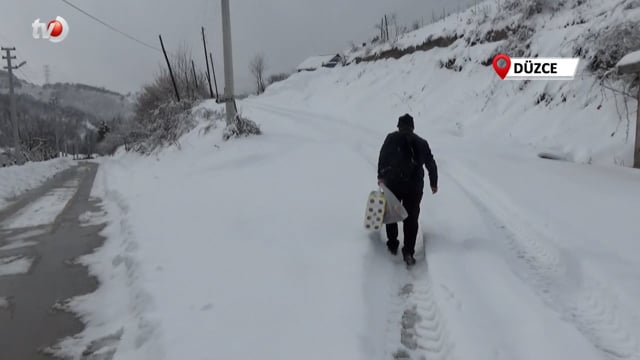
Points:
(257, 67)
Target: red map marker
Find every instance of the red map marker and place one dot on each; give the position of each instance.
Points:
(504, 70)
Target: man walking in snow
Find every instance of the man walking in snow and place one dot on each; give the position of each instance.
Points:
(402, 157)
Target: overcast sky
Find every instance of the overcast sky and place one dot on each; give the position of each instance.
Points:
(286, 31)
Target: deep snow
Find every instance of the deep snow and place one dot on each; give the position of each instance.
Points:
(254, 248)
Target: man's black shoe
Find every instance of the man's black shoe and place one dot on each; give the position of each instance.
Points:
(409, 259)
(393, 245)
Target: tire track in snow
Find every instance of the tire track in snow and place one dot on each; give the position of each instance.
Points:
(554, 274)
(415, 327)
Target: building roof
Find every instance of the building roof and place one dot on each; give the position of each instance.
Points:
(315, 62)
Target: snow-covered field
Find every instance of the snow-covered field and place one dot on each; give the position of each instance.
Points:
(15, 180)
(254, 248)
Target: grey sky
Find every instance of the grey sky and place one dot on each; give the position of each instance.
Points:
(286, 31)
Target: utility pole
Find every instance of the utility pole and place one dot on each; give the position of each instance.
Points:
(12, 98)
(204, 43)
(173, 79)
(228, 62)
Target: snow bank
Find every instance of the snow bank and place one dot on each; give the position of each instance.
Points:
(15, 180)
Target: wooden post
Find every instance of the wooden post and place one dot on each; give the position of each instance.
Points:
(204, 42)
(173, 80)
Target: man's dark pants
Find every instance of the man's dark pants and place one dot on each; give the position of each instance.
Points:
(410, 199)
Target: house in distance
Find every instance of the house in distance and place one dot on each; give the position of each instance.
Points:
(315, 62)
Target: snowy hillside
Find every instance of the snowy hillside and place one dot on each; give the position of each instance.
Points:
(101, 103)
(453, 84)
(254, 248)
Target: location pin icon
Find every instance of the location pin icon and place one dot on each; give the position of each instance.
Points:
(502, 64)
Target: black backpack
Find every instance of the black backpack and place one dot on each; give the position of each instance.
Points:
(403, 163)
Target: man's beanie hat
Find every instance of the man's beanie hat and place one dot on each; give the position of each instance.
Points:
(405, 121)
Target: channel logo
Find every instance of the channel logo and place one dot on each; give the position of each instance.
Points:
(54, 31)
(535, 68)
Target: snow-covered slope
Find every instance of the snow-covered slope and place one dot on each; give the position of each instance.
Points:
(455, 88)
(254, 248)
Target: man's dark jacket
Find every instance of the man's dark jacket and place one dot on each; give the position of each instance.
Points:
(423, 157)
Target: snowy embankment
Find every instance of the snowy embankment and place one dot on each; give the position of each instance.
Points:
(254, 248)
(455, 89)
(15, 180)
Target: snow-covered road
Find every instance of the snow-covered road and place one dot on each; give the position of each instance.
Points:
(525, 258)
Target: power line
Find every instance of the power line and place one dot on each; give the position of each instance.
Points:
(111, 27)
